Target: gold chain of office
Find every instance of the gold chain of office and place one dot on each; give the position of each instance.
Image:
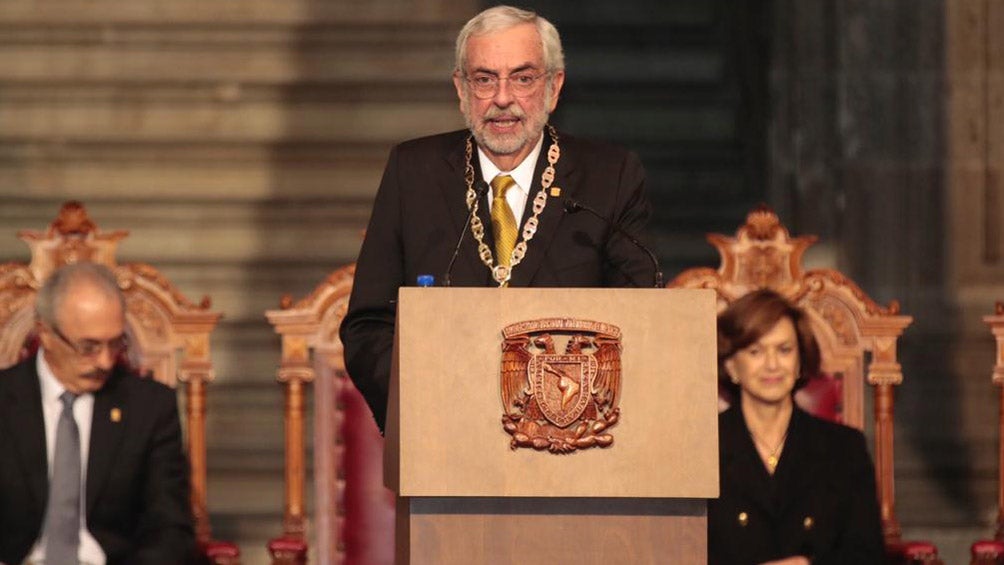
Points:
(502, 273)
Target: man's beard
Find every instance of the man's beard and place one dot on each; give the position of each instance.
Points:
(507, 143)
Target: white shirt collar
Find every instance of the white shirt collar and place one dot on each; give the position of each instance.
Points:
(51, 387)
(522, 174)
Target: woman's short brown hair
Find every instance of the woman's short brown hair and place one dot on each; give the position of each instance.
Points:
(747, 319)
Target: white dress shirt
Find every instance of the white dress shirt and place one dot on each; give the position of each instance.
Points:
(90, 551)
(522, 174)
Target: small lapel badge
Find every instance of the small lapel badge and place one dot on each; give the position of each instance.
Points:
(555, 191)
(115, 415)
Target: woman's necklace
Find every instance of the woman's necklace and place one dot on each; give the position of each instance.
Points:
(502, 273)
(772, 455)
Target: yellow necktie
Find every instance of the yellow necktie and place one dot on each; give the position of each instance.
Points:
(503, 222)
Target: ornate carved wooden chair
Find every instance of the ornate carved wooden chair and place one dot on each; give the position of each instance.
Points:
(354, 513)
(857, 338)
(991, 551)
(169, 336)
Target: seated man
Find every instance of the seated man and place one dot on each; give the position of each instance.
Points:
(93, 469)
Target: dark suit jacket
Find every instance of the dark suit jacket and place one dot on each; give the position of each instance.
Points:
(820, 503)
(137, 477)
(419, 214)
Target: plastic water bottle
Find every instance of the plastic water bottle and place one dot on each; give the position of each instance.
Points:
(426, 280)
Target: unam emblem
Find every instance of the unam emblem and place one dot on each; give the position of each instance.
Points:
(563, 401)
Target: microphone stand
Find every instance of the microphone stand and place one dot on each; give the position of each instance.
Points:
(482, 188)
(572, 206)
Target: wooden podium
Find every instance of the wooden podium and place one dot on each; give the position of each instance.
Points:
(465, 496)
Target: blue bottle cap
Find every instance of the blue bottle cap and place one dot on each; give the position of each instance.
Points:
(426, 280)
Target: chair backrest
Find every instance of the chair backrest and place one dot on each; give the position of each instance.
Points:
(354, 512)
(857, 337)
(169, 335)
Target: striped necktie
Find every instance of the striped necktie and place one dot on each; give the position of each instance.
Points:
(503, 222)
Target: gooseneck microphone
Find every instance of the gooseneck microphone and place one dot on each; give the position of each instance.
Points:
(573, 206)
(480, 188)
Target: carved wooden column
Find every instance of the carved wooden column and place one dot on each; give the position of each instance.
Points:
(195, 415)
(991, 551)
(885, 373)
(996, 323)
(295, 373)
(195, 372)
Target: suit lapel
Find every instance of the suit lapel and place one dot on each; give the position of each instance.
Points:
(799, 468)
(107, 428)
(744, 467)
(566, 179)
(453, 188)
(25, 425)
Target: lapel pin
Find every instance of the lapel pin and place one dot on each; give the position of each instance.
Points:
(555, 191)
(115, 415)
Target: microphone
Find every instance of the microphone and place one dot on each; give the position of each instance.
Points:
(573, 206)
(479, 191)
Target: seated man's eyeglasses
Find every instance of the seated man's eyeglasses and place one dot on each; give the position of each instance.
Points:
(486, 85)
(91, 348)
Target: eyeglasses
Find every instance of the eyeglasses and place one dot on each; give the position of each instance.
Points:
(486, 85)
(91, 348)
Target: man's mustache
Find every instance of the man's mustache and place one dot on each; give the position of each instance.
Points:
(510, 112)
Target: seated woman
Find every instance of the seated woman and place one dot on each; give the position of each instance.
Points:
(795, 489)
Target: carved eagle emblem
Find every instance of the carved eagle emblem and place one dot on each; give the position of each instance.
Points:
(560, 383)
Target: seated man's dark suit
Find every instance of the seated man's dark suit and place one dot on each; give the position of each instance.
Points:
(136, 501)
(820, 502)
(419, 214)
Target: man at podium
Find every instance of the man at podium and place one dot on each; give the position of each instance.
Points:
(495, 204)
